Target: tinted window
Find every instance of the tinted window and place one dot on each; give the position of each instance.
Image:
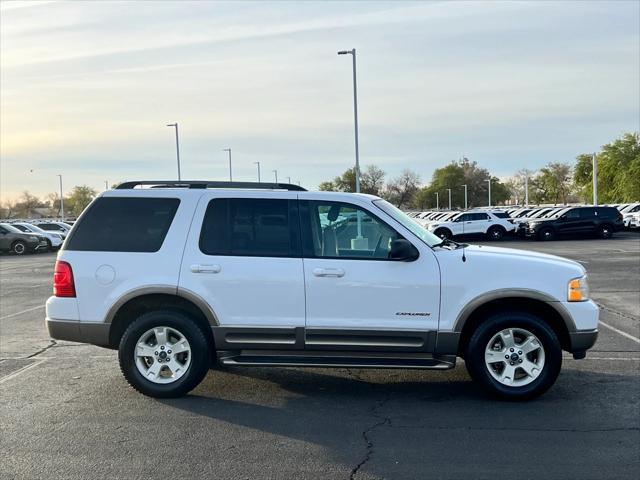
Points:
(573, 214)
(478, 216)
(124, 225)
(502, 214)
(51, 226)
(606, 212)
(250, 227)
(587, 212)
(342, 230)
(465, 217)
(22, 227)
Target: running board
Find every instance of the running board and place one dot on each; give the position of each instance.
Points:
(321, 359)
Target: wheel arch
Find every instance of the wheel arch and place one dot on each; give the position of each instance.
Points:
(546, 307)
(132, 305)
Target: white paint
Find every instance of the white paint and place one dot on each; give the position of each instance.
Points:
(21, 312)
(624, 334)
(22, 370)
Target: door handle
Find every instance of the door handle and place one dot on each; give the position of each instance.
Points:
(328, 272)
(206, 268)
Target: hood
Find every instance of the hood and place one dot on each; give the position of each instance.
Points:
(523, 255)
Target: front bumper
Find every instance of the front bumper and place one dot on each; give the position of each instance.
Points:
(583, 341)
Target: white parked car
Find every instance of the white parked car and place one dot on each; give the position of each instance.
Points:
(58, 227)
(190, 274)
(473, 223)
(54, 240)
(632, 220)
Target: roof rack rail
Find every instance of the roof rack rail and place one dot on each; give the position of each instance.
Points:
(209, 184)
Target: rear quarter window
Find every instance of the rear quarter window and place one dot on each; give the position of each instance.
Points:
(124, 224)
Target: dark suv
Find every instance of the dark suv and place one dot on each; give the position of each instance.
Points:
(583, 221)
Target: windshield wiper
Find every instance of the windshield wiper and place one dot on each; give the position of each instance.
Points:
(448, 241)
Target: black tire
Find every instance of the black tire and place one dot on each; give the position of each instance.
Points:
(496, 322)
(19, 247)
(605, 231)
(200, 356)
(547, 233)
(496, 233)
(443, 233)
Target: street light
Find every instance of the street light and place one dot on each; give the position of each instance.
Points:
(177, 146)
(489, 182)
(465, 196)
(594, 178)
(449, 190)
(352, 52)
(276, 174)
(258, 164)
(230, 173)
(61, 199)
(437, 201)
(288, 179)
(106, 185)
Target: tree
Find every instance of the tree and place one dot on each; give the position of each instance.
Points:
(371, 181)
(78, 199)
(25, 204)
(618, 171)
(552, 184)
(402, 190)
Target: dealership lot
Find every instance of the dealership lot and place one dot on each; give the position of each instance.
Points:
(66, 411)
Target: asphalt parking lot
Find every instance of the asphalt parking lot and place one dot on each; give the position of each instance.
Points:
(67, 412)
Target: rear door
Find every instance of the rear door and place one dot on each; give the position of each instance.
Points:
(243, 258)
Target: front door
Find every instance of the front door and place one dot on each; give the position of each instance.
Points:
(351, 284)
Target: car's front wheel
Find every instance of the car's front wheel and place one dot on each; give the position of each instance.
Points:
(546, 233)
(164, 354)
(514, 355)
(19, 247)
(605, 231)
(443, 233)
(496, 233)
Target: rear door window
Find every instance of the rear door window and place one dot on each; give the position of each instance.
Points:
(124, 224)
(251, 227)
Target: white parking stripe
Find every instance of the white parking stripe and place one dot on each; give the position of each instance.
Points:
(23, 311)
(22, 370)
(624, 334)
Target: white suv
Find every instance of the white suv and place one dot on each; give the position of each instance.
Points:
(190, 274)
(473, 223)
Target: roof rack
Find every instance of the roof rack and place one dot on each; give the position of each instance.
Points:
(209, 184)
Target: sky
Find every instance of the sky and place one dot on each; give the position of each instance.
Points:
(87, 87)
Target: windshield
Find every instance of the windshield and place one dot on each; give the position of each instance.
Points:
(11, 228)
(399, 216)
(557, 213)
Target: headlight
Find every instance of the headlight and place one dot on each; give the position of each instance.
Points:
(34, 239)
(578, 290)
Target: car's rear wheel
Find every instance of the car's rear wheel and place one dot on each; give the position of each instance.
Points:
(496, 233)
(605, 231)
(164, 354)
(546, 233)
(514, 355)
(19, 247)
(443, 233)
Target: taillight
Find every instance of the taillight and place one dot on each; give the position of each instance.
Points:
(63, 285)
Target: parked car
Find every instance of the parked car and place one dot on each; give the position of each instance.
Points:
(178, 278)
(18, 242)
(633, 221)
(584, 221)
(54, 240)
(58, 227)
(473, 223)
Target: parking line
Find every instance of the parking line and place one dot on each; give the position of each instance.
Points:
(23, 311)
(624, 334)
(22, 370)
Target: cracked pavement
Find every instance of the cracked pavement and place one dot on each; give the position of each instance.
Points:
(67, 413)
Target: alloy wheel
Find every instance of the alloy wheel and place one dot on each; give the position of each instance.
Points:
(162, 355)
(514, 357)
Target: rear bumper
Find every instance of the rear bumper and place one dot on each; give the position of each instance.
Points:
(74, 331)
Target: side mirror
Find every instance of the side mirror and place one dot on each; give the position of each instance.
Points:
(403, 251)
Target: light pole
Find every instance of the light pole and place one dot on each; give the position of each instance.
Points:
(449, 190)
(61, 199)
(489, 182)
(437, 201)
(258, 164)
(106, 185)
(352, 52)
(465, 196)
(177, 146)
(230, 173)
(288, 179)
(275, 172)
(594, 174)
(526, 188)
